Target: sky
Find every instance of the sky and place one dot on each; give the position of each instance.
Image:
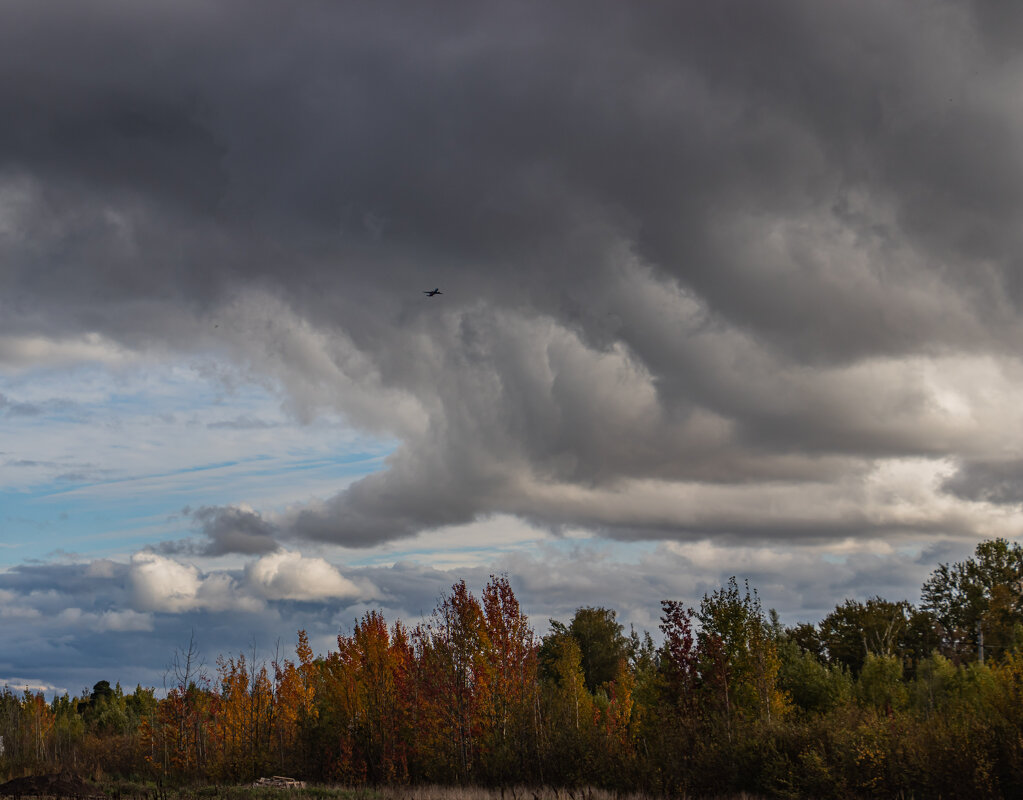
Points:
(728, 288)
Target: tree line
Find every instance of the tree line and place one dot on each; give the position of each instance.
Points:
(876, 699)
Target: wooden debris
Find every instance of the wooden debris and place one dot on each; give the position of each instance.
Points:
(280, 782)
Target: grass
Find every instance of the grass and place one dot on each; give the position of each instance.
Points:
(133, 791)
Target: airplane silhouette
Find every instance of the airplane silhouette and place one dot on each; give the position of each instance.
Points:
(435, 291)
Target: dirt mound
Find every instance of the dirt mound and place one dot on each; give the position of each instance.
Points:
(48, 786)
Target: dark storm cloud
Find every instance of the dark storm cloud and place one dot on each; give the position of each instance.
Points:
(471, 132)
(695, 243)
(998, 482)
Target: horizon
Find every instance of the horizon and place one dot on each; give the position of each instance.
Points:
(206, 665)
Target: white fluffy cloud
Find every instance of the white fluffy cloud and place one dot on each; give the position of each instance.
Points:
(287, 575)
(162, 584)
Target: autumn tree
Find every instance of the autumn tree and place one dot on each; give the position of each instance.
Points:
(456, 672)
(295, 690)
(337, 712)
(380, 660)
(513, 696)
(240, 721)
(671, 728)
(679, 661)
(37, 720)
(183, 729)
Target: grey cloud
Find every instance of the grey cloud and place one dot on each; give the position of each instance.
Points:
(74, 579)
(235, 530)
(999, 482)
(68, 471)
(175, 547)
(695, 244)
(19, 409)
(628, 136)
(242, 423)
(15, 408)
(73, 477)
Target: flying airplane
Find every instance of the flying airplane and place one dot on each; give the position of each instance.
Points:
(435, 291)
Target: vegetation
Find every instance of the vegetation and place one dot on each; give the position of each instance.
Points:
(877, 699)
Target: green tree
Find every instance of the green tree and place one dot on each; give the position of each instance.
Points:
(601, 641)
(566, 742)
(979, 597)
(68, 728)
(880, 683)
(105, 710)
(854, 630)
(602, 644)
(935, 676)
(739, 654)
(807, 638)
(812, 686)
